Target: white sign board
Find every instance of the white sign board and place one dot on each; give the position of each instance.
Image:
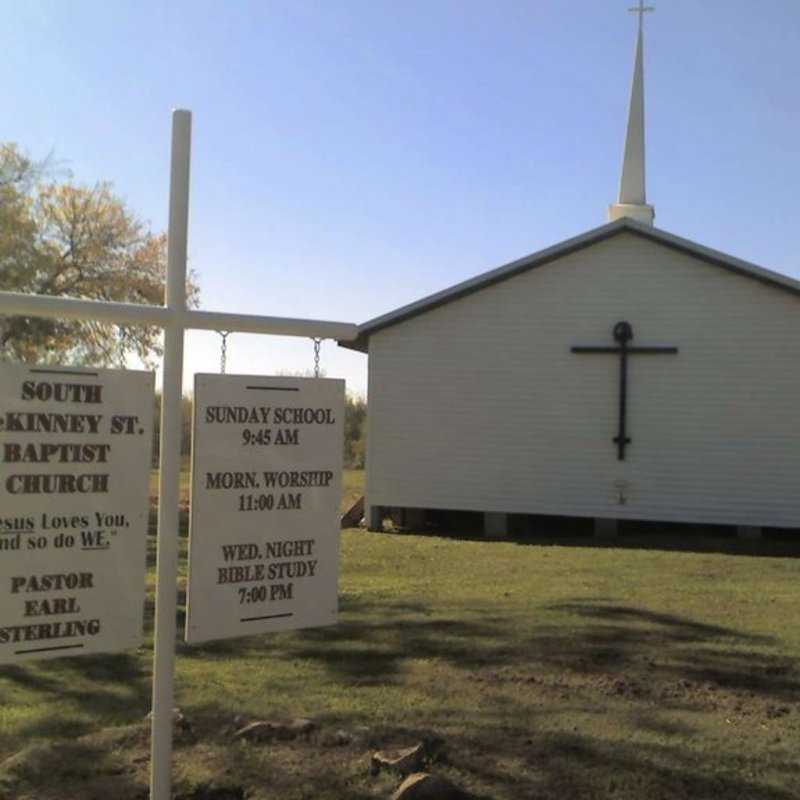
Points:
(266, 488)
(75, 447)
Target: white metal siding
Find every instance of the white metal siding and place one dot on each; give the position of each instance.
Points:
(479, 404)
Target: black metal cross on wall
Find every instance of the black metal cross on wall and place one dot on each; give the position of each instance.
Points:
(623, 333)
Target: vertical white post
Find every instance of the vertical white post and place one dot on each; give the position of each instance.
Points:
(170, 462)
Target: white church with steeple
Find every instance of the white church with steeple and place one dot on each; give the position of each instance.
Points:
(623, 375)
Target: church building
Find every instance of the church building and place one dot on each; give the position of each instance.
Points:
(624, 374)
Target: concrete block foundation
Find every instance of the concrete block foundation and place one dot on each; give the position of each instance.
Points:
(751, 532)
(495, 526)
(606, 528)
(374, 516)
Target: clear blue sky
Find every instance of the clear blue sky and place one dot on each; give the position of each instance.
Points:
(350, 157)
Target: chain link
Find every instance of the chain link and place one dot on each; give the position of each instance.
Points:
(317, 343)
(223, 354)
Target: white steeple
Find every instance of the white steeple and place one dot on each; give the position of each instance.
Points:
(632, 200)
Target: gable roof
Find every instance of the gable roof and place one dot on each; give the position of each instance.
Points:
(558, 251)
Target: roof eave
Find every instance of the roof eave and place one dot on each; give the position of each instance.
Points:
(485, 279)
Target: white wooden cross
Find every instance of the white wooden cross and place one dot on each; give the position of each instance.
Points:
(175, 318)
(641, 10)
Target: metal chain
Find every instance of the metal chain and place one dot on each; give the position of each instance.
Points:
(317, 343)
(223, 354)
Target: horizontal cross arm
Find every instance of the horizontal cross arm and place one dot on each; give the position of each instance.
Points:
(599, 349)
(634, 350)
(36, 305)
(277, 326)
(652, 349)
(40, 305)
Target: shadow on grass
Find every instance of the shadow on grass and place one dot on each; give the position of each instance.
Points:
(663, 648)
(668, 626)
(69, 769)
(582, 767)
(509, 753)
(374, 640)
(371, 642)
(501, 747)
(106, 687)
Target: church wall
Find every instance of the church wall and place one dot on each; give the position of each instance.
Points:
(480, 405)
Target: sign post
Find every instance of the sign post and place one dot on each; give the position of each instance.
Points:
(175, 319)
(169, 475)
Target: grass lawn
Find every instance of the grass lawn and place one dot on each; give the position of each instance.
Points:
(570, 671)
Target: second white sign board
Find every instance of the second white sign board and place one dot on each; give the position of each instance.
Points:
(75, 447)
(266, 487)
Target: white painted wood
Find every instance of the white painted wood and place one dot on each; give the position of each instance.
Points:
(479, 404)
(135, 314)
(75, 446)
(520, 265)
(54, 307)
(276, 326)
(632, 183)
(632, 201)
(266, 489)
(641, 212)
(170, 462)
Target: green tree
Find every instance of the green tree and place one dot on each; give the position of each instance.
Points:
(187, 407)
(59, 238)
(355, 431)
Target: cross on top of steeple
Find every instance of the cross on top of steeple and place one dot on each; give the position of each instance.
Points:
(641, 10)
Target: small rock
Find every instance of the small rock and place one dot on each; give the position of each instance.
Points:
(422, 786)
(256, 732)
(265, 731)
(773, 712)
(338, 738)
(406, 761)
(361, 734)
(299, 727)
